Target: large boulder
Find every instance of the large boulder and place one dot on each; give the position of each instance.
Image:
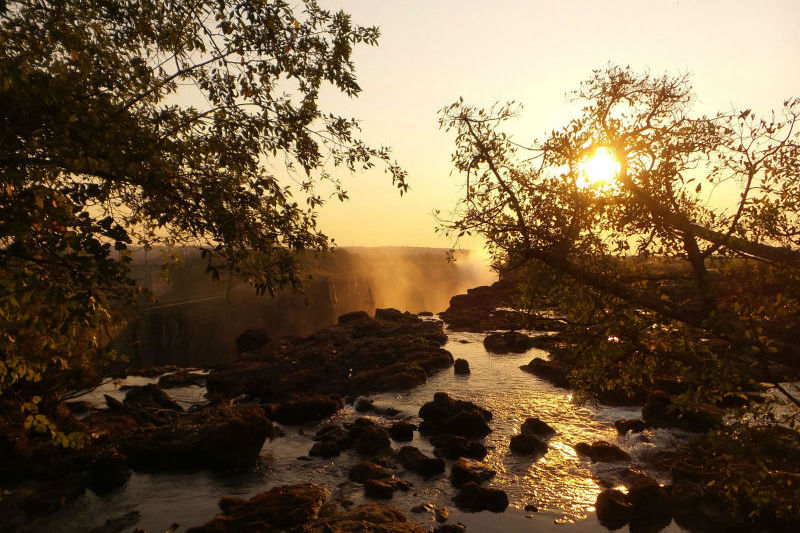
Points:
(602, 452)
(554, 372)
(287, 507)
(527, 444)
(660, 411)
(512, 341)
(454, 417)
(613, 508)
(453, 446)
(461, 367)
(629, 425)
(372, 439)
(534, 426)
(473, 498)
(402, 431)
(416, 461)
(466, 470)
(224, 436)
(374, 517)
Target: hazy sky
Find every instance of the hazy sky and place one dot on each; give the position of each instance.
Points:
(740, 54)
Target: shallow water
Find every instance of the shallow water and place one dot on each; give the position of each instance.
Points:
(560, 484)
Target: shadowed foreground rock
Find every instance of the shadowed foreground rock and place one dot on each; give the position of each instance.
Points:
(359, 355)
(473, 498)
(300, 508)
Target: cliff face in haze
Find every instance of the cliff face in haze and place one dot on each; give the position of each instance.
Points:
(196, 321)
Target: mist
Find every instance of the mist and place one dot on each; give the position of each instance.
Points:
(195, 321)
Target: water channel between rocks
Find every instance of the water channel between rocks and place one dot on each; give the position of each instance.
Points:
(560, 484)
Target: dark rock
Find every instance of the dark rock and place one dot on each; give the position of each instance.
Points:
(531, 508)
(452, 447)
(461, 367)
(383, 487)
(451, 528)
(660, 411)
(325, 449)
(473, 498)
(307, 409)
(416, 461)
(466, 470)
(371, 440)
(372, 517)
(150, 397)
(115, 405)
(280, 508)
(511, 341)
(650, 507)
(534, 426)
(455, 417)
(53, 494)
(602, 452)
(251, 340)
(424, 313)
(390, 314)
(552, 371)
(363, 405)
(79, 407)
(402, 431)
(355, 316)
(108, 470)
(182, 378)
(631, 424)
(367, 470)
(527, 444)
(334, 433)
(613, 509)
(224, 436)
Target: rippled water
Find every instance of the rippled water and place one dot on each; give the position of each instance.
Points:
(560, 484)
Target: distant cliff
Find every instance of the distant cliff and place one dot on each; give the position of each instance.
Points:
(196, 321)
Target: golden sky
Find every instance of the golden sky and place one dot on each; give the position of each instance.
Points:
(740, 55)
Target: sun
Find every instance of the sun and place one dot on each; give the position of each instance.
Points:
(598, 170)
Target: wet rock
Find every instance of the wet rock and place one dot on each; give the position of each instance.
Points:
(384, 487)
(531, 508)
(416, 461)
(355, 316)
(368, 470)
(325, 449)
(634, 425)
(150, 397)
(307, 409)
(477, 309)
(461, 367)
(466, 470)
(454, 417)
(363, 405)
(602, 452)
(336, 434)
(368, 517)
(225, 436)
(452, 447)
(402, 431)
(613, 509)
(552, 371)
(650, 507)
(371, 440)
(512, 341)
(527, 444)
(108, 470)
(425, 313)
(182, 378)
(390, 314)
(534, 426)
(280, 508)
(451, 528)
(473, 498)
(660, 411)
(252, 340)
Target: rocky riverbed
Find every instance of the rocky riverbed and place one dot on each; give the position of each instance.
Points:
(365, 422)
